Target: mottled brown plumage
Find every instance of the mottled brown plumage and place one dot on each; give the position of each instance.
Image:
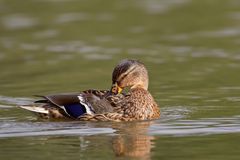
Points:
(113, 105)
(138, 103)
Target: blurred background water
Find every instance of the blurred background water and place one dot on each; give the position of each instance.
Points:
(191, 49)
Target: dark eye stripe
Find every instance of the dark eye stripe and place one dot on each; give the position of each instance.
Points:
(128, 72)
(123, 67)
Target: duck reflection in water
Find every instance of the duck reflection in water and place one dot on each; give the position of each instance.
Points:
(124, 140)
(132, 140)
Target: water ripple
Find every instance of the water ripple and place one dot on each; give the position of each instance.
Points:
(156, 7)
(18, 21)
(173, 122)
(197, 127)
(15, 100)
(20, 129)
(71, 17)
(205, 126)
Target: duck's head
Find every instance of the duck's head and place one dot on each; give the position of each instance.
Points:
(129, 73)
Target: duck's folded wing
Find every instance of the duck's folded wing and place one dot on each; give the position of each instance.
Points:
(68, 104)
(98, 104)
(74, 105)
(59, 99)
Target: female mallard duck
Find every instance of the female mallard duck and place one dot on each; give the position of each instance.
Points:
(103, 105)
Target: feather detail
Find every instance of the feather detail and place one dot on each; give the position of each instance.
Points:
(115, 117)
(74, 110)
(35, 109)
(87, 107)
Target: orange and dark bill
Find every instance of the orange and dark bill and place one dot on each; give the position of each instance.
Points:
(116, 89)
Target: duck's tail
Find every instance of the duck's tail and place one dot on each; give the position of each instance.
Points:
(39, 111)
(35, 109)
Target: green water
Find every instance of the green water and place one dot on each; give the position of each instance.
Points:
(190, 47)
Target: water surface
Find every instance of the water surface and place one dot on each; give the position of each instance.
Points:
(191, 49)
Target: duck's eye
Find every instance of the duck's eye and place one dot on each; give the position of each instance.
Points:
(114, 89)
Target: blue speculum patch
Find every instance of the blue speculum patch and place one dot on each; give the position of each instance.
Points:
(75, 110)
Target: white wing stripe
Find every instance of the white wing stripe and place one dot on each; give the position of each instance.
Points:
(88, 110)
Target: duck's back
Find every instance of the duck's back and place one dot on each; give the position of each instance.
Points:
(137, 104)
